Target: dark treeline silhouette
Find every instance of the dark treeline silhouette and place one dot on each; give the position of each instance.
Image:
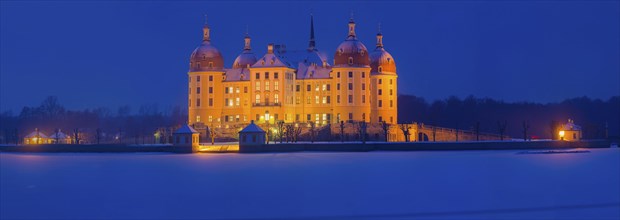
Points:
(99, 125)
(595, 116)
(152, 125)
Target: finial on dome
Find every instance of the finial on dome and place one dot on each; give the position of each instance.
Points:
(247, 39)
(379, 37)
(351, 27)
(206, 36)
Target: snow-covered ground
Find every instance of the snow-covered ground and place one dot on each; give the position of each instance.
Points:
(370, 185)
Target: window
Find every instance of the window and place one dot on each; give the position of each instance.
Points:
(350, 74)
(328, 99)
(210, 118)
(338, 98)
(210, 64)
(197, 118)
(324, 117)
(380, 103)
(276, 85)
(363, 75)
(297, 117)
(350, 86)
(390, 92)
(226, 102)
(338, 117)
(257, 117)
(257, 86)
(210, 101)
(380, 119)
(257, 75)
(380, 69)
(308, 88)
(380, 91)
(363, 86)
(267, 86)
(275, 117)
(350, 60)
(197, 64)
(245, 89)
(308, 117)
(237, 101)
(380, 81)
(189, 103)
(391, 103)
(276, 98)
(363, 98)
(210, 90)
(275, 75)
(237, 118)
(350, 116)
(338, 86)
(197, 102)
(316, 87)
(328, 87)
(230, 90)
(210, 78)
(350, 98)
(308, 99)
(266, 99)
(197, 90)
(297, 100)
(338, 75)
(226, 90)
(266, 75)
(237, 89)
(297, 88)
(363, 116)
(316, 99)
(324, 99)
(391, 120)
(198, 78)
(391, 82)
(257, 100)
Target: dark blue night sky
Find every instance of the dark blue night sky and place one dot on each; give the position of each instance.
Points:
(112, 53)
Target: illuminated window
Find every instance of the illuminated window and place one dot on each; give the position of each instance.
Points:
(324, 87)
(237, 89)
(338, 117)
(197, 118)
(267, 86)
(276, 98)
(276, 85)
(210, 118)
(267, 117)
(297, 100)
(230, 90)
(237, 118)
(237, 101)
(316, 87)
(257, 101)
(316, 99)
(257, 86)
(324, 99)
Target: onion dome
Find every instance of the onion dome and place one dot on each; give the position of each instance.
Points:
(247, 57)
(206, 57)
(351, 52)
(380, 60)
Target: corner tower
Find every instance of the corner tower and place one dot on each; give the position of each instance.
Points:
(384, 98)
(351, 77)
(206, 70)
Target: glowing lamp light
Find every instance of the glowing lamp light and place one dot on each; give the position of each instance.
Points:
(561, 135)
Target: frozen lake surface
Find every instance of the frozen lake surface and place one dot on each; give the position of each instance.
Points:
(373, 185)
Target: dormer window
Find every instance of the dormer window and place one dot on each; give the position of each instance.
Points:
(380, 69)
(271, 62)
(197, 64)
(262, 62)
(361, 52)
(204, 57)
(389, 60)
(350, 60)
(210, 64)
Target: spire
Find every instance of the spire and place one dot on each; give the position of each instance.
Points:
(247, 40)
(312, 44)
(379, 38)
(351, 27)
(206, 35)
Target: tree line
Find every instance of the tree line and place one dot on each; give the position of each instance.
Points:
(598, 118)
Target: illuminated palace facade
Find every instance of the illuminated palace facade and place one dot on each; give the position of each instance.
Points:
(292, 86)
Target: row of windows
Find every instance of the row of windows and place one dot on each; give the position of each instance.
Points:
(276, 86)
(350, 75)
(275, 75)
(266, 117)
(276, 99)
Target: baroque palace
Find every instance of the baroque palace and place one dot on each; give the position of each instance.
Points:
(293, 86)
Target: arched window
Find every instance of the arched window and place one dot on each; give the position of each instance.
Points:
(350, 60)
(257, 101)
(380, 69)
(276, 98)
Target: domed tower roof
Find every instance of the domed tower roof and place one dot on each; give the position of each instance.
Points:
(206, 57)
(380, 60)
(351, 52)
(247, 57)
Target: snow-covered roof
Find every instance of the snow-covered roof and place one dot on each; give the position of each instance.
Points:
(58, 135)
(571, 126)
(34, 134)
(252, 128)
(272, 60)
(235, 74)
(186, 129)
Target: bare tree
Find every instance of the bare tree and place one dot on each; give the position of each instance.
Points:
(361, 131)
(212, 134)
(280, 129)
(501, 128)
(405, 129)
(434, 133)
(386, 128)
(341, 131)
(526, 126)
(76, 135)
(296, 133)
(57, 132)
(477, 129)
(312, 131)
